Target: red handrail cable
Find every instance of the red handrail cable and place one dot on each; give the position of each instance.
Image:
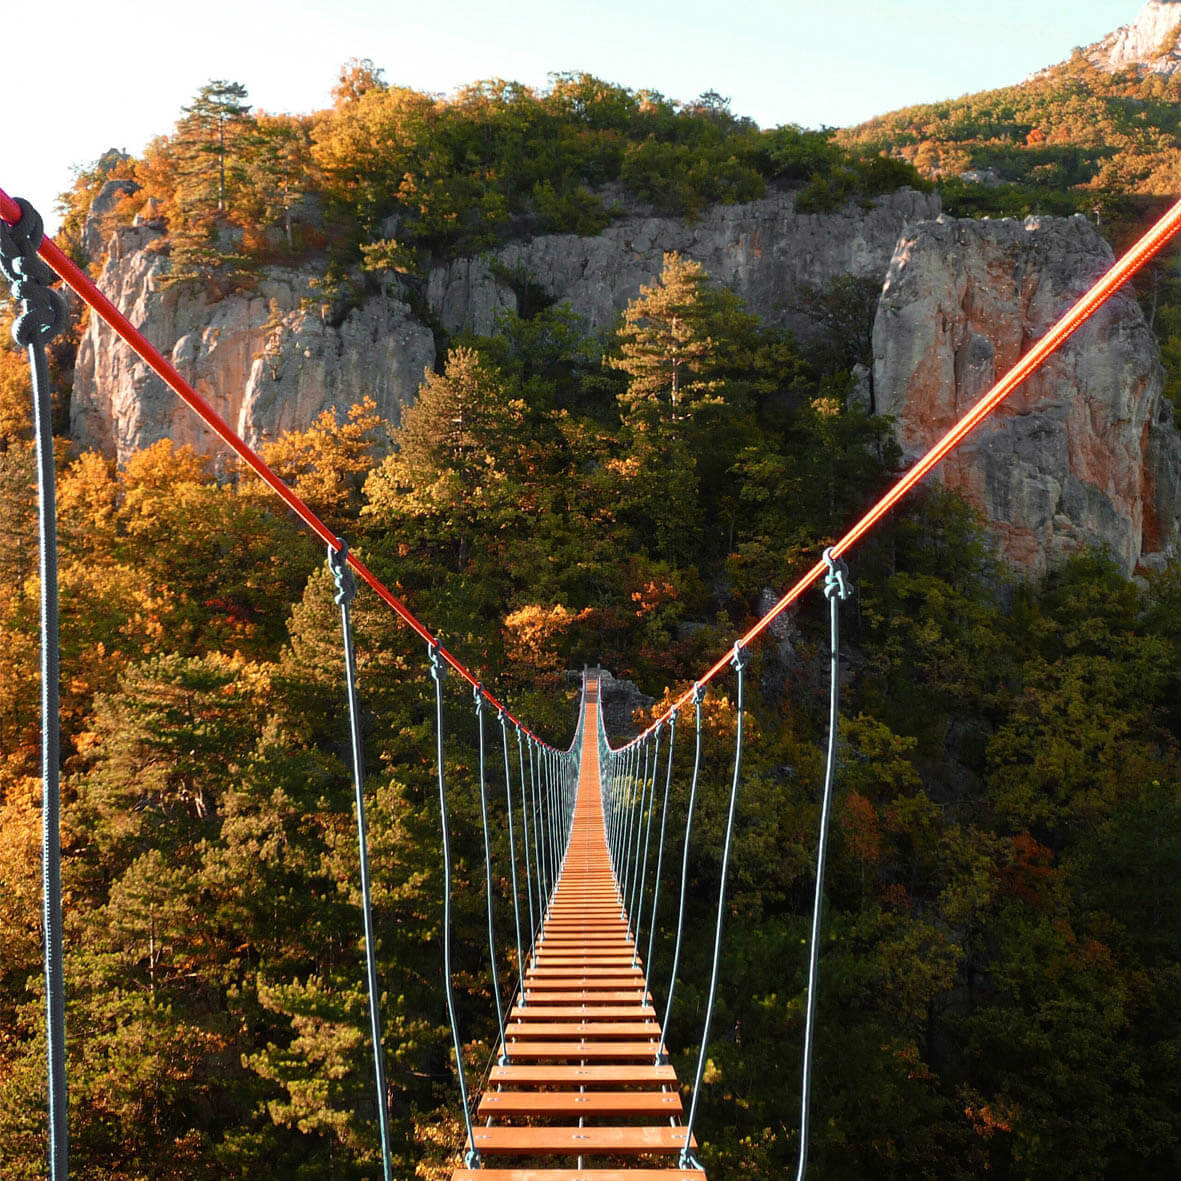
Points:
(1120, 272)
(1152, 242)
(84, 286)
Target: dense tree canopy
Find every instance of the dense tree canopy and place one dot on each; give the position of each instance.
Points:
(1001, 977)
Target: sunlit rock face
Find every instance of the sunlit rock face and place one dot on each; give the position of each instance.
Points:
(1152, 41)
(762, 250)
(267, 360)
(1085, 452)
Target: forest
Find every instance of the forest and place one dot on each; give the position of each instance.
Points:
(1001, 968)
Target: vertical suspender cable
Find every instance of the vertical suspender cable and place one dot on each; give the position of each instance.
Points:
(836, 590)
(478, 696)
(438, 673)
(638, 893)
(538, 851)
(739, 660)
(42, 315)
(698, 698)
(668, 778)
(525, 838)
(346, 590)
(512, 852)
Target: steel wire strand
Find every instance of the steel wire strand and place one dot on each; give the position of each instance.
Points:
(42, 314)
(668, 778)
(346, 590)
(698, 698)
(626, 839)
(836, 590)
(478, 696)
(638, 903)
(512, 849)
(686, 1159)
(438, 673)
(538, 851)
(632, 813)
(525, 839)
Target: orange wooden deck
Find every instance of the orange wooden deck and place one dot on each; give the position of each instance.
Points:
(581, 1098)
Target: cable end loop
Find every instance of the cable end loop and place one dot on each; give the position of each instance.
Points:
(836, 581)
(438, 666)
(338, 563)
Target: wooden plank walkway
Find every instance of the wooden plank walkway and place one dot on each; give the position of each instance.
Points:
(581, 1081)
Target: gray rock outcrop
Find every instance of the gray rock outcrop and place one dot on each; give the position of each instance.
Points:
(620, 700)
(763, 251)
(1085, 451)
(1085, 454)
(266, 360)
(1152, 41)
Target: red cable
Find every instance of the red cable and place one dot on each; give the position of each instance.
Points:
(1121, 271)
(1127, 266)
(87, 291)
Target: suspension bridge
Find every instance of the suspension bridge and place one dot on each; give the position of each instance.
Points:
(581, 1070)
(582, 1050)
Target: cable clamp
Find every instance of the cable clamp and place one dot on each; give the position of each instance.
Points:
(338, 563)
(741, 657)
(478, 697)
(43, 310)
(438, 667)
(698, 693)
(836, 581)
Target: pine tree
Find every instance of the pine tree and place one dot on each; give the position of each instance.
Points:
(665, 346)
(212, 129)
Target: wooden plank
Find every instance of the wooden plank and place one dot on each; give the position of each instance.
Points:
(502, 1104)
(597, 1030)
(520, 1051)
(518, 1141)
(594, 996)
(583, 1012)
(533, 1075)
(578, 1175)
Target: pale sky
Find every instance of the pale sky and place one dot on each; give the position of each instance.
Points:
(93, 75)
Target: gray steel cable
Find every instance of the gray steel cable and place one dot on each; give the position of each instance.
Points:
(638, 903)
(478, 696)
(42, 315)
(668, 778)
(686, 1160)
(438, 673)
(346, 590)
(698, 698)
(512, 851)
(525, 838)
(836, 590)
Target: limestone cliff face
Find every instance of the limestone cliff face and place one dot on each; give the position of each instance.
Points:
(1151, 42)
(264, 359)
(762, 250)
(267, 362)
(1084, 453)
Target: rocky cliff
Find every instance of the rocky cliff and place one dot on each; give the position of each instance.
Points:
(1085, 452)
(1152, 42)
(267, 359)
(763, 251)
